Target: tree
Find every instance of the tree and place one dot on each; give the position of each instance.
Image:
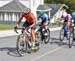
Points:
(69, 3)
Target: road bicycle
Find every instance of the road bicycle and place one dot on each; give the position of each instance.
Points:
(44, 35)
(24, 43)
(69, 35)
(72, 36)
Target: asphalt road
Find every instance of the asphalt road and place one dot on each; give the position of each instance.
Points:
(48, 52)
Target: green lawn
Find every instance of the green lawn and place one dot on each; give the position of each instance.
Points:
(9, 27)
(6, 27)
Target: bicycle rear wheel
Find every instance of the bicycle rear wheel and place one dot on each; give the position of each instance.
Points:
(21, 45)
(46, 36)
(38, 36)
(71, 37)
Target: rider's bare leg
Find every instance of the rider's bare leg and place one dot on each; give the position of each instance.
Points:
(33, 36)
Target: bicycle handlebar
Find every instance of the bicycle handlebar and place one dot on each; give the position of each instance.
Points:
(15, 29)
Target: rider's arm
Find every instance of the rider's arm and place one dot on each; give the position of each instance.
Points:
(34, 23)
(46, 20)
(39, 17)
(69, 19)
(21, 17)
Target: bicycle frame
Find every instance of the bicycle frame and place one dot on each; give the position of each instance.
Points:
(26, 33)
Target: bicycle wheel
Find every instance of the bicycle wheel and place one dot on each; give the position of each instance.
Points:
(74, 36)
(61, 35)
(71, 36)
(21, 45)
(46, 36)
(38, 36)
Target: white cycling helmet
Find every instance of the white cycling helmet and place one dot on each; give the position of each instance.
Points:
(64, 14)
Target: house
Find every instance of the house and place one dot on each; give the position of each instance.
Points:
(54, 10)
(10, 10)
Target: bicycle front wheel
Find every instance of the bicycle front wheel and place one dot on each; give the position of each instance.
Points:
(21, 45)
(71, 36)
(61, 35)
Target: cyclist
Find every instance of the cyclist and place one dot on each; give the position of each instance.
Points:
(73, 18)
(29, 22)
(67, 21)
(73, 21)
(45, 20)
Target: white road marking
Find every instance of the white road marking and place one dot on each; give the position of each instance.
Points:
(49, 52)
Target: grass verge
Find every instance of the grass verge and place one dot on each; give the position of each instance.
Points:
(6, 27)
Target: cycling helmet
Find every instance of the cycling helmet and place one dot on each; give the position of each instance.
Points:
(41, 12)
(64, 14)
(26, 10)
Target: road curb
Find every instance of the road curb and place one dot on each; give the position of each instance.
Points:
(7, 33)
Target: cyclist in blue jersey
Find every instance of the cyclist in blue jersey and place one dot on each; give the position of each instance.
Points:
(45, 20)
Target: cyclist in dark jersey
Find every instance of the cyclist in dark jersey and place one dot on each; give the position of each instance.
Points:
(45, 20)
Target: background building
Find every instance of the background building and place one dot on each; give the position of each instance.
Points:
(10, 10)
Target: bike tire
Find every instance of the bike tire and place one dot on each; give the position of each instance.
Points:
(21, 39)
(71, 36)
(38, 36)
(61, 35)
(47, 38)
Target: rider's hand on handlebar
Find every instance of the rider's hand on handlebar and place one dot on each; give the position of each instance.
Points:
(15, 27)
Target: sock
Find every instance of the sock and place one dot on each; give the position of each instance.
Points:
(33, 43)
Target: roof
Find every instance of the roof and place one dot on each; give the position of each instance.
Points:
(54, 7)
(43, 7)
(13, 6)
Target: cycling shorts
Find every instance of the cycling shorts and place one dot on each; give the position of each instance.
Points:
(26, 24)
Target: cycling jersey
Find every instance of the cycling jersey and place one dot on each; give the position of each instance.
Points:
(44, 18)
(67, 17)
(73, 19)
(30, 18)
